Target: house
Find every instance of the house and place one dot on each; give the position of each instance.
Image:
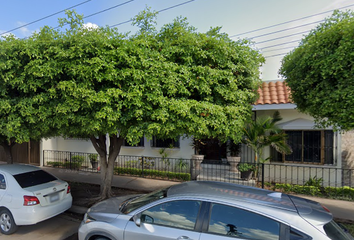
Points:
(320, 153)
(317, 153)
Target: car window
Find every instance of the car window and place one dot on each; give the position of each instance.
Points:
(137, 202)
(179, 214)
(2, 182)
(335, 232)
(34, 178)
(235, 222)
(297, 235)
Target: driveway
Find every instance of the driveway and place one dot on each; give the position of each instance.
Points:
(56, 228)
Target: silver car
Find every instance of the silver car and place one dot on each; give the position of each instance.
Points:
(208, 211)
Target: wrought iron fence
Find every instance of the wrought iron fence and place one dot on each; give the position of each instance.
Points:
(308, 179)
(142, 166)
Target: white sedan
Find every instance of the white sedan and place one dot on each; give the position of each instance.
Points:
(29, 195)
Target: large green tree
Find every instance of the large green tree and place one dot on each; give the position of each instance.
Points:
(111, 87)
(320, 72)
(22, 117)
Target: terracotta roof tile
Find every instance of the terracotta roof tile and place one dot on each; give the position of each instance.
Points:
(273, 93)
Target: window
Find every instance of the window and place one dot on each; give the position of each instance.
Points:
(235, 222)
(2, 182)
(334, 231)
(177, 214)
(165, 143)
(140, 144)
(30, 179)
(314, 147)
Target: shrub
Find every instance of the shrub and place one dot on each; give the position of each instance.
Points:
(243, 167)
(55, 164)
(315, 182)
(93, 157)
(75, 163)
(153, 173)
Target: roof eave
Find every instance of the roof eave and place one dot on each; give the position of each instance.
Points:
(284, 106)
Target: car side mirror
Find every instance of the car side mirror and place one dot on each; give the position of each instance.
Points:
(137, 220)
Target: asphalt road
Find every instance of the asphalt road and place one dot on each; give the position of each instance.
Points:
(60, 227)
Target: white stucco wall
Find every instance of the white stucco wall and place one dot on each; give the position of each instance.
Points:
(185, 150)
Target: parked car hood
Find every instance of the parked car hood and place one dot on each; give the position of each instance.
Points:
(109, 209)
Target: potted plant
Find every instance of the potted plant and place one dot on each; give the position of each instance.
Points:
(234, 155)
(197, 145)
(246, 170)
(93, 160)
(197, 157)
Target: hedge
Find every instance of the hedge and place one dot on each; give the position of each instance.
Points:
(153, 173)
(344, 193)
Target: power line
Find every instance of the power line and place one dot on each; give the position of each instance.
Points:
(291, 47)
(107, 9)
(279, 44)
(287, 29)
(276, 55)
(273, 39)
(104, 10)
(275, 25)
(162, 10)
(51, 15)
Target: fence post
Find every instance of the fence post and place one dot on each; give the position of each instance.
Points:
(262, 175)
(70, 162)
(142, 166)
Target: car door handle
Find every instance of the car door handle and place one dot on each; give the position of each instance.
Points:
(183, 238)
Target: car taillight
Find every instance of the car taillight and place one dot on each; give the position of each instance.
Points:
(68, 189)
(325, 208)
(30, 201)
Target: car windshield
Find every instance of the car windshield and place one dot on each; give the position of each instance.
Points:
(135, 203)
(335, 232)
(34, 178)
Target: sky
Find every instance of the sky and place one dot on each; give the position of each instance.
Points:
(275, 26)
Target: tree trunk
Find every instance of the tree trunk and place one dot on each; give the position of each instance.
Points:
(107, 161)
(7, 149)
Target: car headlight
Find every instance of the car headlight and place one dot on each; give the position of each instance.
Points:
(88, 218)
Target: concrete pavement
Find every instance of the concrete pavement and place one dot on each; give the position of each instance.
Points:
(56, 228)
(340, 209)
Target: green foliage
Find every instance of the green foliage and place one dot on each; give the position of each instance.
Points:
(320, 73)
(153, 173)
(344, 193)
(78, 158)
(93, 157)
(147, 162)
(54, 164)
(315, 181)
(181, 165)
(97, 82)
(263, 133)
(243, 167)
(75, 163)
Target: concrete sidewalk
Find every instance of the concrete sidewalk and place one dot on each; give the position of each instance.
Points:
(340, 209)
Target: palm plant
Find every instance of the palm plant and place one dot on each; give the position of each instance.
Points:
(263, 133)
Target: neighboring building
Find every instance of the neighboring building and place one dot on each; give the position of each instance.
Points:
(317, 152)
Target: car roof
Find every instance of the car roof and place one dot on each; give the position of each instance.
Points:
(234, 194)
(15, 169)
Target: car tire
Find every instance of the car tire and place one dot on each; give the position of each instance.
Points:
(7, 222)
(101, 238)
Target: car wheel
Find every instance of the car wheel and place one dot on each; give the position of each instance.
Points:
(7, 223)
(101, 238)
